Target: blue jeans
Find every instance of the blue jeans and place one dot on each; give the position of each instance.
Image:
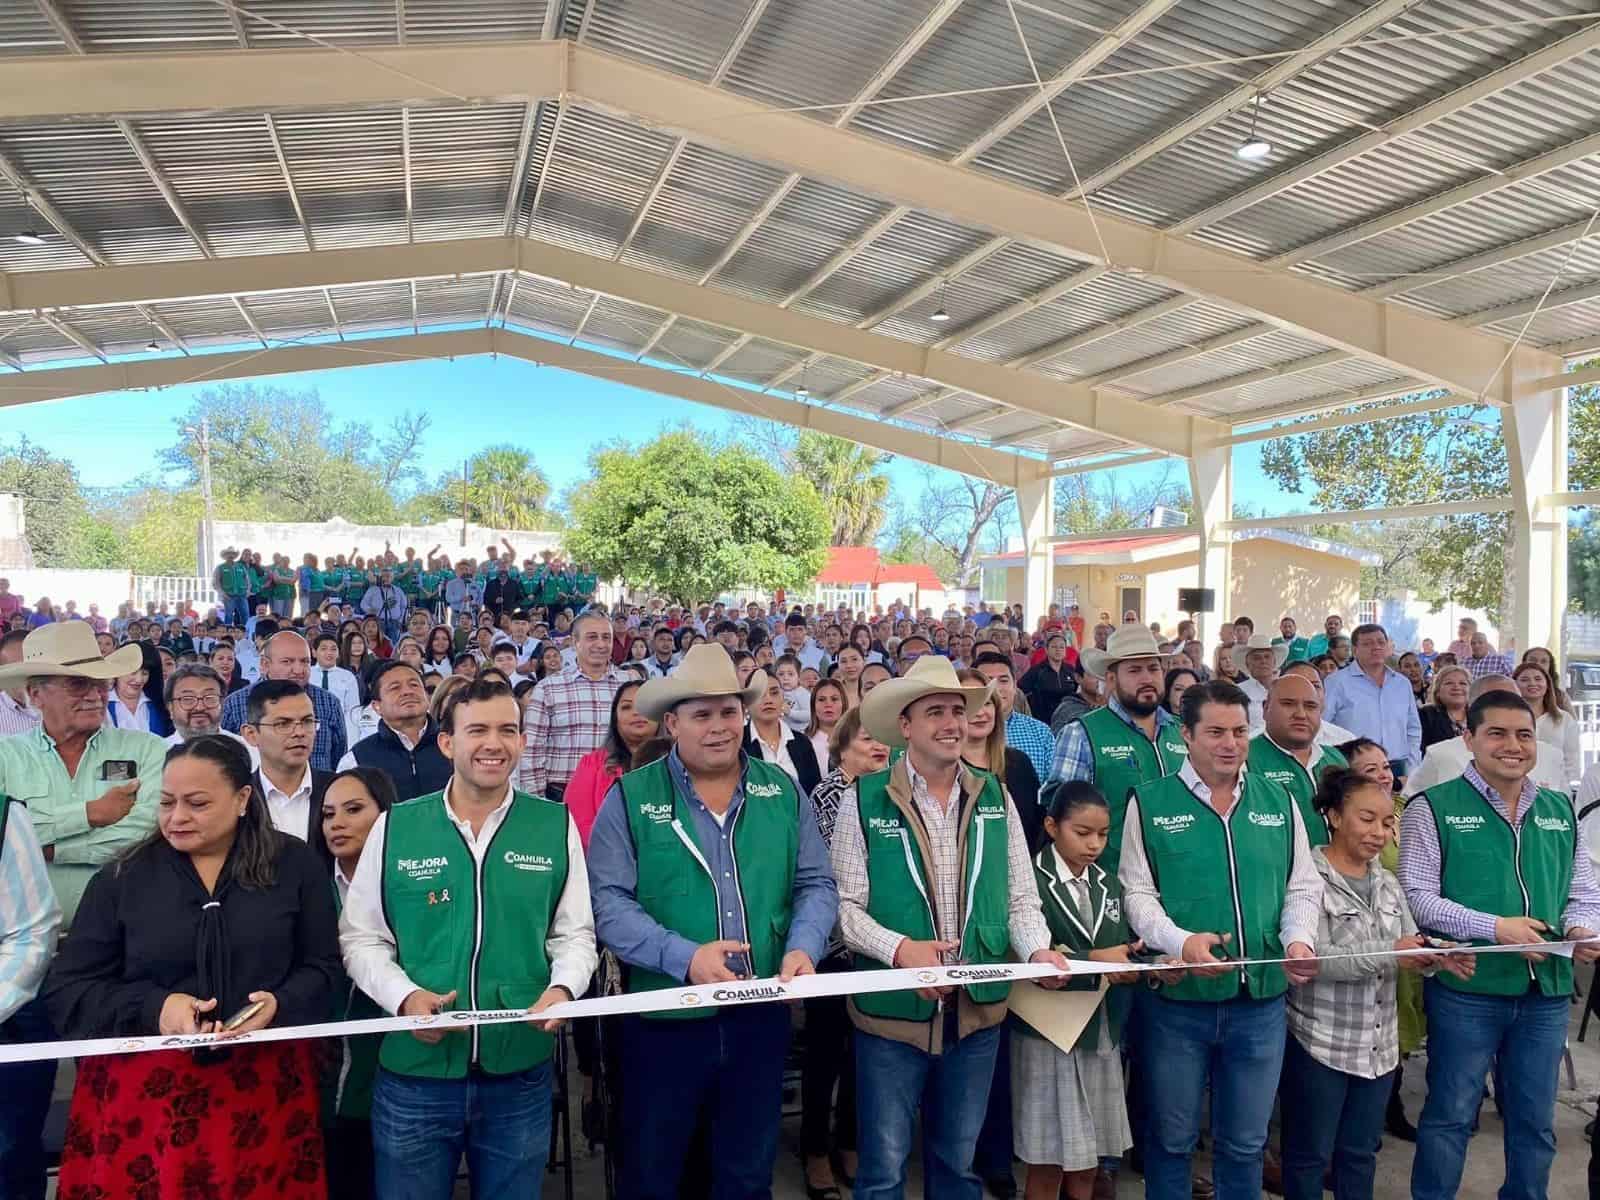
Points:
(1329, 1115)
(1235, 1046)
(27, 1088)
(1523, 1037)
(235, 610)
(894, 1082)
(728, 1066)
(421, 1128)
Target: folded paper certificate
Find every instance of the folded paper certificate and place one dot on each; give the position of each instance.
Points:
(1058, 1016)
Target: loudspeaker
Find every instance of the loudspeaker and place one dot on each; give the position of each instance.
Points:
(1197, 600)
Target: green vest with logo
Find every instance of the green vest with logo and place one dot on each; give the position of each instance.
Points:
(1123, 759)
(901, 893)
(235, 577)
(1488, 867)
(478, 932)
(1219, 876)
(674, 881)
(1269, 759)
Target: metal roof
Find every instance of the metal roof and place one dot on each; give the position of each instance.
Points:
(1432, 154)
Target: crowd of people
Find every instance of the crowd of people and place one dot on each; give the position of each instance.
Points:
(406, 786)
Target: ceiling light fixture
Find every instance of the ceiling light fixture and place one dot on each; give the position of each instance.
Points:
(1254, 147)
(153, 346)
(939, 314)
(30, 236)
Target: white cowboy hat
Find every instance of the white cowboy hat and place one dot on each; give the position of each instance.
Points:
(69, 648)
(1126, 642)
(1263, 641)
(706, 671)
(930, 675)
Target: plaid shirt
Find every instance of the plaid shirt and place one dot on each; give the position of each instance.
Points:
(865, 935)
(1421, 867)
(29, 914)
(1346, 1018)
(1033, 737)
(1489, 664)
(331, 741)
(14, 717)
(568, 716)
(1074, 755)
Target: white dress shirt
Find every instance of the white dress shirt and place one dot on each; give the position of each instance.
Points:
(120, 716)
(1258, 698)
(349, 759)
(778, 756)
(341, 683)
(290, 811)
(1302, 901)
(1444, 761)
(368, 943)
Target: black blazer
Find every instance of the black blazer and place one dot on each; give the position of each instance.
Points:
(313, 835)
(800, 753)
(1436, 725)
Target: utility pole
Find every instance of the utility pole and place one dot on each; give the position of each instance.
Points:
(208, 549)
(463, 502)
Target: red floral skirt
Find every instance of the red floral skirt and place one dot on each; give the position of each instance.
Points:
(168, 1125)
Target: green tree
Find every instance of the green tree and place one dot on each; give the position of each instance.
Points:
(505, 489)
(1583, 565)
(691, 522)
(286, 452)
(908, 544)
(1099, 500)
(1454, 454)
(54, 509)
(961, 518)
(849, 479)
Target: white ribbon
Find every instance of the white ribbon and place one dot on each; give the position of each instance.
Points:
(696, 997)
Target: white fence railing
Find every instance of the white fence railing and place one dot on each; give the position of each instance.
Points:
(1589, 729)
(174, 592)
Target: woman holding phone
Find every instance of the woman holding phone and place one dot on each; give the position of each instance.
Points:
(215, 924)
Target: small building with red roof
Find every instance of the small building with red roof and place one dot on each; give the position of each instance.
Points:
(858, 578)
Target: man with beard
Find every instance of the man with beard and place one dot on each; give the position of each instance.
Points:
(1286, 750)
(1130, 740)
(194, 695)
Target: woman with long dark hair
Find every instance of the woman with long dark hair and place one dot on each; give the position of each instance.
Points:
(216, 923)
(440, 650)
(600, 768)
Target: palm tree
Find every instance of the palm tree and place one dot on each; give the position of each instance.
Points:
(849, 480)
(506, 489)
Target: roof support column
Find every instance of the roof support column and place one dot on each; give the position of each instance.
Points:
(1535, 427)
(1037, 508)
(1211, 481)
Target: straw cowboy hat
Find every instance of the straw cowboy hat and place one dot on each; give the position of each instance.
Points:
(706, 671)
(1125, 642)
(930, 675)
(1263, 641)
(69, 648)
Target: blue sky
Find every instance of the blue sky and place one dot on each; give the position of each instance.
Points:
(557, 415)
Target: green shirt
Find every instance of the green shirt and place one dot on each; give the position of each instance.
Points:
(31, 771)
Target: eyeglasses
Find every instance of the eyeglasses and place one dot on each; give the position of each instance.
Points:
(190, 703)
(308, 725)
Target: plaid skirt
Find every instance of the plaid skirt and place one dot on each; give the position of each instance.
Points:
(1067, 1110)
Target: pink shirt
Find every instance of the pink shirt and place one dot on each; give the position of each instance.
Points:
(591, 780)
(9, 603)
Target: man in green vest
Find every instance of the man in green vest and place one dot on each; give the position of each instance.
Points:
(1489, 858)
(474, 897)
(1286, 750)
(1130, 740)
(232, 578)
(1216, 865)
(933, 870)
(1288, 636)
(707, 866)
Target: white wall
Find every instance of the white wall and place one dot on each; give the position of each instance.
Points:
(338, 536)
(1408, 620)
(105, 588)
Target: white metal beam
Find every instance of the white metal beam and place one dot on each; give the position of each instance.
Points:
(1236, 98)
(1179, 354)
(333, 313)
(40, 203)
(1539, 243)
(405, 167)
(1530, 168)
(1360, 516)
(1488, 85)
(249, 320)
(168, 192)
(288, 180)
(1527, 305)
(1125, 460)
(72, 333)
(400, 21)
(159, 322)
(57, 383)
(1364, 417)
(1231, 383)
(62, 27)
(1115, 416)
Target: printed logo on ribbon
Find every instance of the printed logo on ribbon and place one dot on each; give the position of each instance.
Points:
(529, 862)
(689, 999)
(927, 977)
(754, 991)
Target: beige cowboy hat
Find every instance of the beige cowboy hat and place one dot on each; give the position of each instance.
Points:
(706, 671)
(930, 675)
(1125, 642)
(1263, 641)
(69, 648)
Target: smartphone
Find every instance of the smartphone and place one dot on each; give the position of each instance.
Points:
(119, 770)
(244, 1014)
